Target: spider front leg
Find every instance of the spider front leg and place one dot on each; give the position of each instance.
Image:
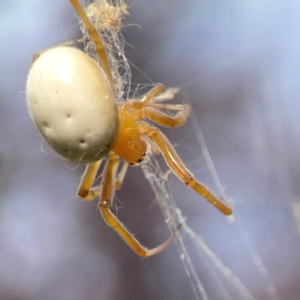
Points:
(107, 192)
(162, 118)
(179, 169)
(148, 109)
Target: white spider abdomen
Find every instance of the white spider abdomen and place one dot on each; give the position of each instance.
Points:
(72, 104)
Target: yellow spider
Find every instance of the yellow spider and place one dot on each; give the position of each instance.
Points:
(72, 101)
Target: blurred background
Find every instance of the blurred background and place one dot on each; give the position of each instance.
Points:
(238, 65)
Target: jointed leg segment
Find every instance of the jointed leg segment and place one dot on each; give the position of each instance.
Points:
(162, 118)
(86, 191)
(179, 169)
(121, 175)
(147, 108)
(96, 39)
(107, 192)
(64, 44)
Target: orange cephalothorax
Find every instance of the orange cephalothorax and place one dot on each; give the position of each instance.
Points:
(129, 145)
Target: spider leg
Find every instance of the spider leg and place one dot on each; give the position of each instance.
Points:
(85, 190)
(96, 39)
(162, 118)
(154, 148)
(121, 175)
(157, 90)
(166, 95)
(179, 169)
(107, 192)
(142, 102)
(147, 108)
(167, 106)
(65, 44)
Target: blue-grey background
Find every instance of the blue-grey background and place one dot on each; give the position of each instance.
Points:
(239, 63)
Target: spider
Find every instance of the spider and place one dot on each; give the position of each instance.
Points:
(72, 101)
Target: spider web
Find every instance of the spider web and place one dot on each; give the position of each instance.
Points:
(174, 218)
(107, 16)
(227, 286)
